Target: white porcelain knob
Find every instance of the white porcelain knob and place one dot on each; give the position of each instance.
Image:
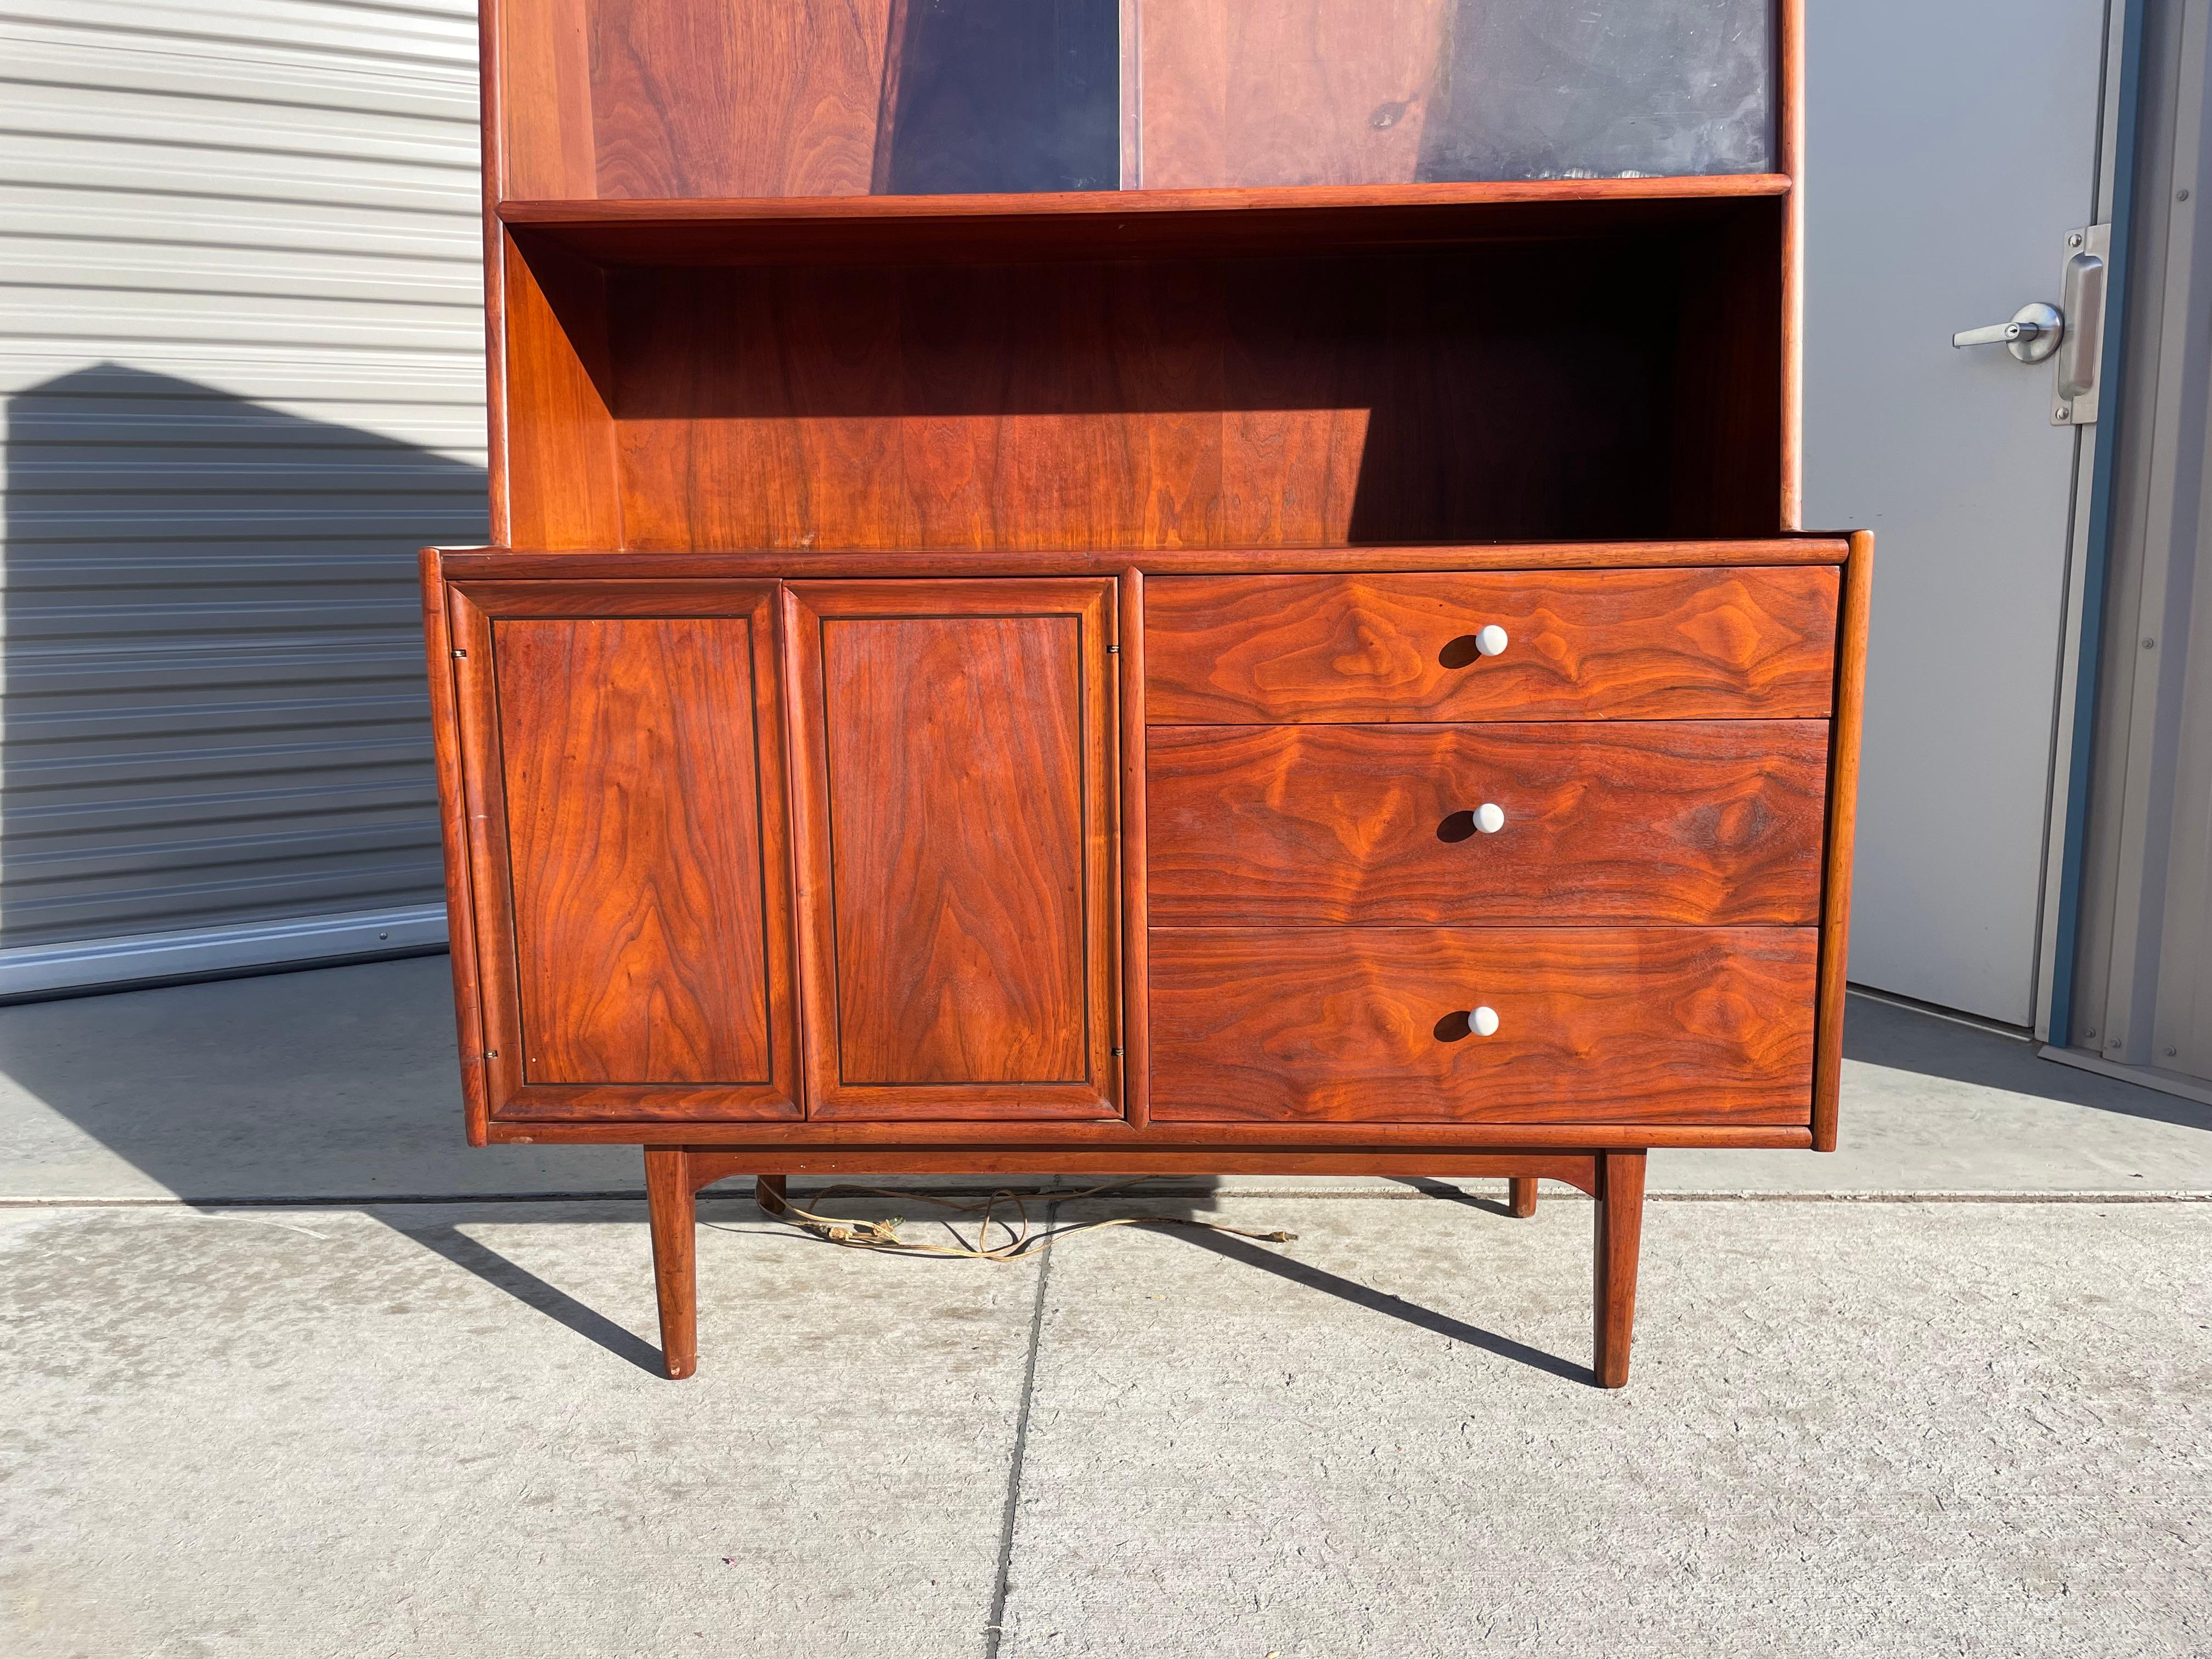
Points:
(1483, 1021)
(1490, 641)
(1490, 817)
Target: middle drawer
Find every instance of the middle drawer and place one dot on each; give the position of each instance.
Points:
(1694, 822)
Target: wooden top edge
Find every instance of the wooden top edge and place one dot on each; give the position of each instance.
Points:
(711, 210)
(528, 562)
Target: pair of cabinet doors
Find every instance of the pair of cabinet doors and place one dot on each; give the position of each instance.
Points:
(765, 850)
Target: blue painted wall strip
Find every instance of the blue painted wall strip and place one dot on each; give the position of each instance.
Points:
(2097, 545)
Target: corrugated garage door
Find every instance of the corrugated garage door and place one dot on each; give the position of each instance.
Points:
(241, 361)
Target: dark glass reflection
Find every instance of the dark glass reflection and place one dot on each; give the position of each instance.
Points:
(991, 95)
(1602, 89)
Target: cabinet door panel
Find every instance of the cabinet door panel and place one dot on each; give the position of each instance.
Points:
(630, 801)
(956, 854)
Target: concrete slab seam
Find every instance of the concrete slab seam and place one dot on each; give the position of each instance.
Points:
(994, 1632)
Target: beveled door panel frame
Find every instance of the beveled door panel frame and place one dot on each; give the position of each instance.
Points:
(473, 608)
(1091, 602)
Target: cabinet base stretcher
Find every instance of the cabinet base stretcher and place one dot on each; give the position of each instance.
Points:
(674, 1176)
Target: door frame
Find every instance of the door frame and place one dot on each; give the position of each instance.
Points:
(2111, 887)
(2089, 538)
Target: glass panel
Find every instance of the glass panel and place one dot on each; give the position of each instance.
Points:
(990, 95)
(1604, 90)
(701, 98)
(1356, 92)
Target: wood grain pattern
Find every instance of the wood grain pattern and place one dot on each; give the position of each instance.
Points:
(633, 805)
(1287, 92)
(543, 126)
(1843, 810)
(1619, 1241)
(624, 776)
(1596, 1025)
(524, 564)
(1654, 645)
(1515, 393)
(1521, 1196)
(561, 482)
(676, 98)
(956, 846)
(1698, 822)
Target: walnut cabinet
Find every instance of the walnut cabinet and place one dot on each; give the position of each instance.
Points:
(1107, 629)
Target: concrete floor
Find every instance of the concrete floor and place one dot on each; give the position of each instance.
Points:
(398, 1413)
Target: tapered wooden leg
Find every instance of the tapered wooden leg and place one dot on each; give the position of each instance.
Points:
(1524, 1195)
(767, 1192)
(1619, 1235)
(672, 1202)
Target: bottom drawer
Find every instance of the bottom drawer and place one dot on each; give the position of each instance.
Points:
(1603, 1024)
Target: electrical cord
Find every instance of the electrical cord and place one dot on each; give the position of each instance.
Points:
(1021, 1240)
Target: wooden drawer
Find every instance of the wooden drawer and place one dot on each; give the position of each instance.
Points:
(1699, 823)
(1687, 644)
(1602, 1025)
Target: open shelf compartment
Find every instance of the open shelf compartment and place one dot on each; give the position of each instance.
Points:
(1457, 363)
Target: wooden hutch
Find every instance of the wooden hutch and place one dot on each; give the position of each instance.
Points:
(1146, 585)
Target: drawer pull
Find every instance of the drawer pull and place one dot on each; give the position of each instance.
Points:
(1483, 1021)
(1490, 640)
(1490, 817)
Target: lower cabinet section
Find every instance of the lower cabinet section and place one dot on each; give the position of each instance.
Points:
(840, 872)
(1591, 1024)
(852, 852)
(635, 825)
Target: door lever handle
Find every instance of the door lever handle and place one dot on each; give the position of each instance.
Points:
(2033, 334)
(1996, 334)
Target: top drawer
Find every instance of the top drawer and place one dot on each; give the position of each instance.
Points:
(1683, 644)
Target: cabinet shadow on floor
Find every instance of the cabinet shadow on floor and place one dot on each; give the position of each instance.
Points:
(447, 1240)
(1252, 1255)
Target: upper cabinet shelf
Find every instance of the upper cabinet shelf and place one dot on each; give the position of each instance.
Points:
(656, 101)
(1107, 224)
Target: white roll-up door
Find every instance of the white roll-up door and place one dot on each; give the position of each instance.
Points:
(242, 370)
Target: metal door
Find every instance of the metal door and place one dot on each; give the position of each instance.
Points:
(1951, 148)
